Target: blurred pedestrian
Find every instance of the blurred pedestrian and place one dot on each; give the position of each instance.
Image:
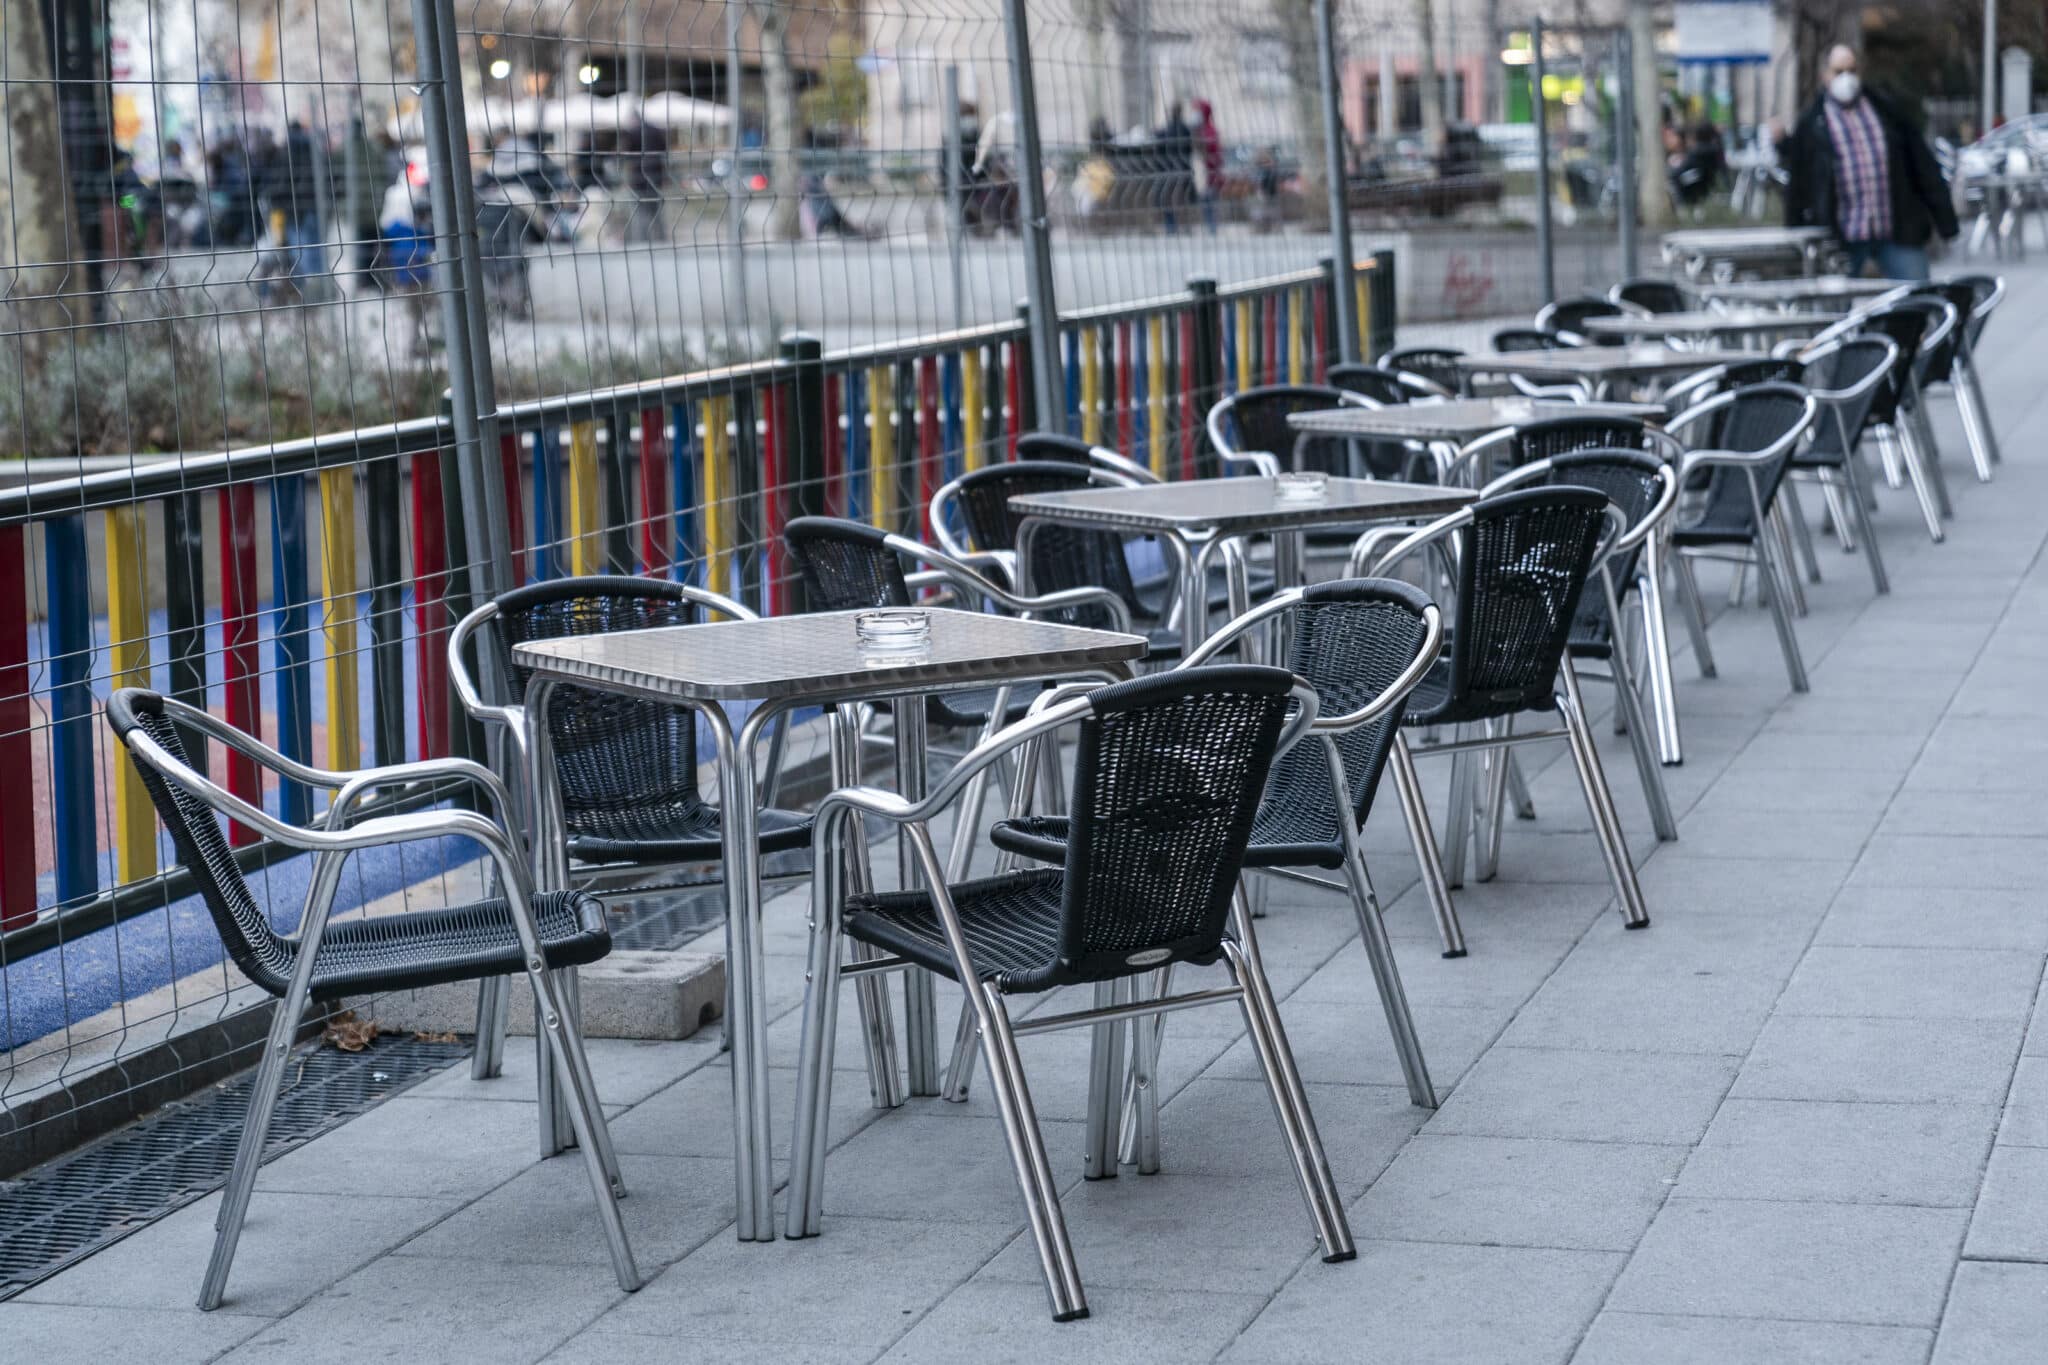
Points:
(1174, 150)
(1208, 162)
(1857, 167)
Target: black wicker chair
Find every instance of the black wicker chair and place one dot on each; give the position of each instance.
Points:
(1846, 378)
(1971, 296)
(1651, 295)
(1522, 562)
(1168, 771)
(504, 936)
(1438, 364)
(1482, 460)
(1757, 429)
(1362, 644)
(1384, 386)
(1645, 490)
(1063, 449)
(1249, 430)
(1531, 339)
(1567, 317)
(1058, 556)
(1897, 417)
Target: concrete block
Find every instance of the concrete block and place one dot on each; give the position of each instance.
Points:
(629, 994)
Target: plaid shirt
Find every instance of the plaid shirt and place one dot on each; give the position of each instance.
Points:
(1863, 192)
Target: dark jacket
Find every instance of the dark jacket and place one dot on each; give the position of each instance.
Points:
(1920, 200)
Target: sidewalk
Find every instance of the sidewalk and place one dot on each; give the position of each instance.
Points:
(1803, 1116)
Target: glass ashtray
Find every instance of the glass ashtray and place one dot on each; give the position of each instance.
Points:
(1515, 409)
(1302, 486)
(903, 630)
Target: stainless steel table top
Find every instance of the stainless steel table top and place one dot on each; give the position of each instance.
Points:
(1706, 322)
(818, 659)
(1457, 420)
(1842, 289)
(1599, 362)
(1241, 506)
(1743, 241)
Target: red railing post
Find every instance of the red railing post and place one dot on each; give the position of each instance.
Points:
(241, 663)
(430, 606)
(654, 507)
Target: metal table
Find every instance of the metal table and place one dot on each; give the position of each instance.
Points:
(1603, 366)
(1199, 515)
(1700, 247)
(1821, 291)
(1458, 420)
(783, 662)
(1711, 325)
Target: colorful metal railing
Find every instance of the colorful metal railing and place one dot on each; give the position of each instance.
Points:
(691, 476)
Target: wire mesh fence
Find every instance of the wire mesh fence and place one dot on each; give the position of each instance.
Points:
(328, 318)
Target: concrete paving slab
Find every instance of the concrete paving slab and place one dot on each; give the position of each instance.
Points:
(73, 1334)
(1619, 1338)
(1997, 1312)
(1004, 1323)
(1901, 1061)
(1913, 983)
(1587, 1096)
(2011, 1222)
(1816, 1150)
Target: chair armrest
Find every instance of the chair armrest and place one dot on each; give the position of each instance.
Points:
(1264, 463)
(427, 770)
(948, 569)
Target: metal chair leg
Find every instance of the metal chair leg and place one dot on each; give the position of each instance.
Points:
(807, 1138)
(1105, 1084)
(1640, 744)
(1486, 857)
(1916, 433)
(263, 1090)
(1027, 1155)
(1290, 1102)
(1600, 802)
(1138, 1143)
(1858, 509)
(1408, 787)
(1786, 555)
(1970, 392)
(1769, 569)
(558, 1025)
(1923, 483)
(1657, 664)
(1460, 818)
(1695, 613)
(493, 1018)
(1386, 976)
(1889, 456)
(1802, 534)
(1518, 790)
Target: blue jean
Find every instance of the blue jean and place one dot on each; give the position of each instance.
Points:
(1894, 261)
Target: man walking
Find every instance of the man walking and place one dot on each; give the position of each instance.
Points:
(1856, 166)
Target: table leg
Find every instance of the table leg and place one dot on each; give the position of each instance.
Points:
(920, 1011)
(548, 850)
(1194, 589)
(1657, 654)
(746, 980)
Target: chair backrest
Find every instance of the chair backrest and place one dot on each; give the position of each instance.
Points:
(1381, 385)
(1841, 368)
(1569, 316)
(1653, 296)
(1943, 336)
(1530, 339)
(1633, 482)
(1063, 449)
(1906, 327)
(1256, 419)
(1168, 771)
(614, 754)
(1756, 419)
(1552, 436)
(846, 566)
(1523, 562)
(256, 948)
(1351, 639)
(1986, 293)
(1061, 556)
(1438, 364)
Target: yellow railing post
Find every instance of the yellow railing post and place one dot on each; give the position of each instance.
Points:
(973, 433)
(717, 516)
(1155, 393)
(1298, 304)
(1247, 345)
(338, 590)
(586, 515)
(881, 446)
(128, 636)
(1091, 386)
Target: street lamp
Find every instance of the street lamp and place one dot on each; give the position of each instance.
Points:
(500, 69)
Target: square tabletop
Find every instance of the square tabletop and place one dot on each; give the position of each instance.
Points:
(817, 657)
(1821, 289)
(1241, 506)
(1600, 362)
(1460, 419)
(1743, 241)
(1706, 322)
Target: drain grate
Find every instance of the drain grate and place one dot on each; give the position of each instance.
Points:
(67, 1210)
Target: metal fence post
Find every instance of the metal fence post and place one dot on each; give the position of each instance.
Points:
(1341, 292)
(1044, 318)
(1206, 366)
(956, 224)
(803, 421)
(1625, 139)
(1381, 302)
(1543, 245)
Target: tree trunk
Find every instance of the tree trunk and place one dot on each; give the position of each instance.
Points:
(778, 85)
(35, 200)
(1297, 20)
(1432, 102)
(1653, 193)
(1133, 20)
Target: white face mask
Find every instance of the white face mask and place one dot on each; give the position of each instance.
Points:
(1844, 87)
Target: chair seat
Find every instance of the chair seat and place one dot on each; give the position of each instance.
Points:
(460, 943)
(1431, 702)
(969, 710)
(1011, 923)
(673, 833)
(1712, 533)
(1284, 835)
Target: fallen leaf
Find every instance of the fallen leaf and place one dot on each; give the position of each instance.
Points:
(346, 1033)
(422, 1037)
